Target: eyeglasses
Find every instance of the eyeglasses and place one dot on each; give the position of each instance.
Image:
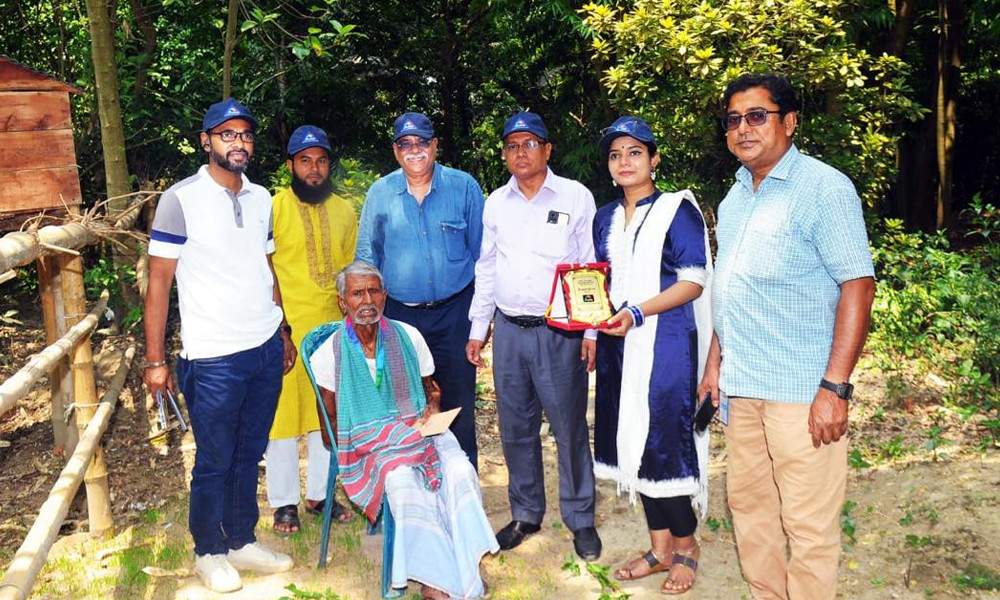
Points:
(754, 118)
(230, 135)
(407, 145)
(514, 148)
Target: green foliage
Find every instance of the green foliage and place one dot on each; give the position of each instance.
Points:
(670, 62)
(847, 523)
(938, 308)
(977, 577)
(350, 178)
(856, 460)
(610, 590)
(300, 594)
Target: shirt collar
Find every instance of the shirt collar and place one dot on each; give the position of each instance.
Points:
(404, 185)
(549, 183)
(244, 182)
(782, 170)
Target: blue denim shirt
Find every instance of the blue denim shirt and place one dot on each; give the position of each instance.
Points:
(783, 252)
(426, 251)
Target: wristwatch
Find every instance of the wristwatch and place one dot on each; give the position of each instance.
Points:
(843, 390)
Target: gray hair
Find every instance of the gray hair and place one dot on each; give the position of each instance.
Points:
(358, 268)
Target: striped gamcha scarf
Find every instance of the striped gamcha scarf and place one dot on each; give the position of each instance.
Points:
(375, 417)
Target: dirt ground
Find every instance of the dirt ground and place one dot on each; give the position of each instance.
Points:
(917, 515)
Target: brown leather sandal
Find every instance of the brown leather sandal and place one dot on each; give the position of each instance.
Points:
(655, 566)
(684, 558)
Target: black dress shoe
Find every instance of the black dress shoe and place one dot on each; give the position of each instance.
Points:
(587, 543)
(514, 533)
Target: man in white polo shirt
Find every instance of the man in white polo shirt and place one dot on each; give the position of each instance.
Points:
(213, 231)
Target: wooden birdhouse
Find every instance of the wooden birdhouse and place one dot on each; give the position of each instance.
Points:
(38, 170)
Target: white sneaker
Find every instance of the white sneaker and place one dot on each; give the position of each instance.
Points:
(217, 574)
(254, 557)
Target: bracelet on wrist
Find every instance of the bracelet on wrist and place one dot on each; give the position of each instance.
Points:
(154, 364)
(637, 317)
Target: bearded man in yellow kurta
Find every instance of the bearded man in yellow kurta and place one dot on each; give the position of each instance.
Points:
(315, 232)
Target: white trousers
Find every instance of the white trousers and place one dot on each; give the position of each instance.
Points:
(282, 458)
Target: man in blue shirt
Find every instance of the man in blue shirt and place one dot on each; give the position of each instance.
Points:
(792, 295)
(422, 226)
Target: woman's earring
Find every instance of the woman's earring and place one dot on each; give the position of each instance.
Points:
(653, 175)
(614, 183)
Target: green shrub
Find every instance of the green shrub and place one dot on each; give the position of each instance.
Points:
(939, 308)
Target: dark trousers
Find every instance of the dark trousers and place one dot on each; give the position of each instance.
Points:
(231, 400)
(446, 330)
(675, 514)
(538, 369)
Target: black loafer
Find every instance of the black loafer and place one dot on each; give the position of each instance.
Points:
(514, 533)
(587, 543)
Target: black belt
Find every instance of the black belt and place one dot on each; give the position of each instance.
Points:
(524, 322)
(437, 303)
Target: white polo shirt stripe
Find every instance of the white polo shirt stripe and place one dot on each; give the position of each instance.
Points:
(221, 242)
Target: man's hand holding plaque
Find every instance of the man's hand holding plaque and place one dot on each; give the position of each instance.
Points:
(579, 297)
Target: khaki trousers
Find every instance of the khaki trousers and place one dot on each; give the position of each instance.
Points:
(786, 498)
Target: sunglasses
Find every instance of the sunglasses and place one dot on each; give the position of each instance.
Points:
(755, 118)
(407, 145)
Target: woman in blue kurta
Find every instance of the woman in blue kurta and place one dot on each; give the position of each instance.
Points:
(650, 359)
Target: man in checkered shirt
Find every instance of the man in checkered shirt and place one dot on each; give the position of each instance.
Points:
(792, 294)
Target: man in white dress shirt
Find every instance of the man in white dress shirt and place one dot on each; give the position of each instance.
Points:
(532, 223)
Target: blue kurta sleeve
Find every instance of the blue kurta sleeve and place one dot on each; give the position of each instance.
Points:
(686, 238)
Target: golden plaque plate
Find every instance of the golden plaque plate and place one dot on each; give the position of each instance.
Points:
(580, 297)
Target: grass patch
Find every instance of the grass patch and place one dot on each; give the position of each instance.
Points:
(977, 577)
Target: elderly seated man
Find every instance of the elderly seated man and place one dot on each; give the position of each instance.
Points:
(374, 375)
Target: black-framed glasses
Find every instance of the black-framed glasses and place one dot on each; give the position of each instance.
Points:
(230, 135)
(514, 148)
(407, 145)
(755, 118)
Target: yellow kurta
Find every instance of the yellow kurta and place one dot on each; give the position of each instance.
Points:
(312, 243)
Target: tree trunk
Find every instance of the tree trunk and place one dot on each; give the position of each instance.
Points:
(102, 44)
(948, 67)
(906, 12)
(109, 107)
(148, 30)
(227, 57)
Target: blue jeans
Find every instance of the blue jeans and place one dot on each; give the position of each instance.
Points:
(231, 400)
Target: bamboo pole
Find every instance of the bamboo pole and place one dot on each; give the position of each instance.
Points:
(23, 247)
(19, 384)
(30, 557)
(85, 395)
(7, 276)
(49, 288)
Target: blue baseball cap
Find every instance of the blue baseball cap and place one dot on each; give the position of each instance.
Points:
(525, 121)
(412, 123)
(220, 112)
(305, 137)
(626, 125)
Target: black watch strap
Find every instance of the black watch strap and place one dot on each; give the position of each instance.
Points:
(843, 390)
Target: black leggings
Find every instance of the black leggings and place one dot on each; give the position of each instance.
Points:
(675, 514)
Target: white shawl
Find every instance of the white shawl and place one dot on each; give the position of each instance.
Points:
(641, 270)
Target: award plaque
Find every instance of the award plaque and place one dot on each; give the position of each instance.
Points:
(579, 297)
